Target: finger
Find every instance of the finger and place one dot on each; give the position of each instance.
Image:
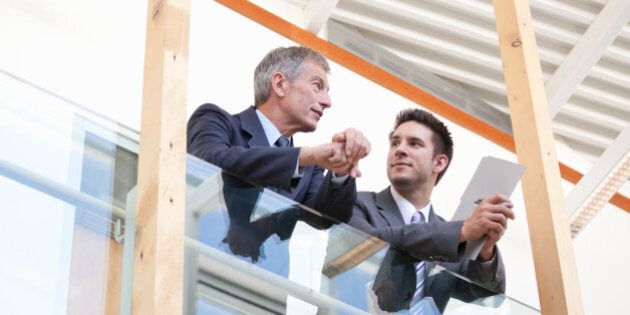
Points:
(508, 212)
(368, 147)
(351, 142)
(339, 137)
(354, 171)
(499, 209)
(497, 198)
(358, 151)
(338, 168)
(496, 227)
(472, 228)
(493, 238)
(498, 218)
(493, 204)
(362, 147)
(335, 163)
(339, 152)
(503, 209)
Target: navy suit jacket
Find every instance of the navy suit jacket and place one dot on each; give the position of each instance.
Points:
(436, 241)
(238, 144)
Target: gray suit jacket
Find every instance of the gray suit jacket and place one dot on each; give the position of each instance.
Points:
(434, 242)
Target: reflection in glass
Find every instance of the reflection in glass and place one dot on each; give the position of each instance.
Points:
(395, 282)
(250, 250)
(247, 229)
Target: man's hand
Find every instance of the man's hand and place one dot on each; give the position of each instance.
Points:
(341, 156)
(330, 156)
(355, 146)
(490, 218)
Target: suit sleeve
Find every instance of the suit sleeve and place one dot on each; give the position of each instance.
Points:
(434, 241)
(491, 277)
(337, 200)
(214, 136)
(483, 281)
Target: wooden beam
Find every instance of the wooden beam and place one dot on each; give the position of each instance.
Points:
(159, 251)
(353, 257)
(393, 83)
(556, 274)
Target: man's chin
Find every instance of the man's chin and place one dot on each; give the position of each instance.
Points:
(309, 128)
(399, 181)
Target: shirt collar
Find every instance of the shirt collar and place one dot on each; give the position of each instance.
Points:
(271, 132)
(406, 208)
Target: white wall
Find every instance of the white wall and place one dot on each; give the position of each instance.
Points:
(92, 54)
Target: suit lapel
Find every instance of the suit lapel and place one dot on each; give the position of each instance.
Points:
(432, 216)
(251, 125)
(388, 209)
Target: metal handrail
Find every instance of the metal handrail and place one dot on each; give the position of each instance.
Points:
(294, 289)
(59, 191)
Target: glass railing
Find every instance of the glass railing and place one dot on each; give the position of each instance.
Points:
(64, 177)
(67, 177)
(253, 251)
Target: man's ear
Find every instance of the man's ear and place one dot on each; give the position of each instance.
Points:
(278, 83)
(439, 163)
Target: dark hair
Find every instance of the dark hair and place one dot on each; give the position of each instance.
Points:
(443, 143)
(286, 60)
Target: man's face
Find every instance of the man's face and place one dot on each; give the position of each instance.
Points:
(306, 98)
(410, 162)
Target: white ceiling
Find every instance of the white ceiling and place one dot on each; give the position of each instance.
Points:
(584, 49)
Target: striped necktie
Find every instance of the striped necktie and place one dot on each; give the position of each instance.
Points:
(418, 217)
(283, 142)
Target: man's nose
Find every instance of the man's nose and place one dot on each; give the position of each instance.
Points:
(400, 150)
(325, 101)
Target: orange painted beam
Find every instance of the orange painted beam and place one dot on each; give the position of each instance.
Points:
(393, 83)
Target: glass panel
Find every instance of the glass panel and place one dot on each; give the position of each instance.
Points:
(67, 178)
(250, 250)
(64, 178)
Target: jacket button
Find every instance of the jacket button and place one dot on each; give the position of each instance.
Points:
(408, 295)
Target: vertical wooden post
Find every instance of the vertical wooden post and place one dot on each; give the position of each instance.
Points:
(159, 252)
(556, 274)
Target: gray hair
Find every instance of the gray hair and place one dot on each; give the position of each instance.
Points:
(286, 60)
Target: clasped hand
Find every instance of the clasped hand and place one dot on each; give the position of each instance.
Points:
(341, 155)
(348, 147)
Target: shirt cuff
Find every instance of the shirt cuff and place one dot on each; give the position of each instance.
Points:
(487, 265)
(299, 171)
(338, 179)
